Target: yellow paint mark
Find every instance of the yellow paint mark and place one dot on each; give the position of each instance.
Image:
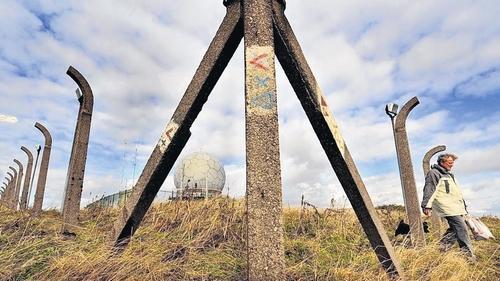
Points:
(332, 124)
(167, 136)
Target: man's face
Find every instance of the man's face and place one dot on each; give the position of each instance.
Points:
(448, 163)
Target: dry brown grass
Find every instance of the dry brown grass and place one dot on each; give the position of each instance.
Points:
(204, 240)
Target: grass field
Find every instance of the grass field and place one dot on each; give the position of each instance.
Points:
(205, 240)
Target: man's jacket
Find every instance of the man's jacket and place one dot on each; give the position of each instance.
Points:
(442, 193)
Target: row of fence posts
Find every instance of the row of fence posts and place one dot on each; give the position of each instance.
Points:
(11, 195)
(16, 197)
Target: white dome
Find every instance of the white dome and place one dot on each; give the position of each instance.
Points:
(200, 171)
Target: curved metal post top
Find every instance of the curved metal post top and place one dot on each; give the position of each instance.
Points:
(28, 152)
(45, 132)
(14, 170)
(87, 99)
(19, 164)
(428, 156)
(403, 113)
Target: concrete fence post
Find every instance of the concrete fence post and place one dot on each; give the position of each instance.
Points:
(78, 158)
(44, 166)
(18, 184)
(27, 178)
(265, 250)
(407, 175)
(13, 189)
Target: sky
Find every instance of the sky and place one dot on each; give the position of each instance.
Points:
(139, 57)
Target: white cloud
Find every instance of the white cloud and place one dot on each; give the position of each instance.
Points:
(8, 118)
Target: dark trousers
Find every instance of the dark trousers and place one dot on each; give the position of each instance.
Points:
(457, 232)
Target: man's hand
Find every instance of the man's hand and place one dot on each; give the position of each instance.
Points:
(427, 211)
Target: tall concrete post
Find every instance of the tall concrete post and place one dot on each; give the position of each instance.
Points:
(435, 219)
(12, 194)
(18, 184)
(407, 176)
(38, 148)
(44, 166)
(265, 252)
(76, 167)
(27, 179)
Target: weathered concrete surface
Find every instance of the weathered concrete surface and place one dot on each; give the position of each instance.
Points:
(44, 167)
(265, 252)
(27, 179)
(177, 132)
(436, 224)
(410, 194)
(18, 184)
(314, 103)
(78, 158)
(12, 194)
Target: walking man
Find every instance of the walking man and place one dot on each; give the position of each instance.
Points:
(442, 195)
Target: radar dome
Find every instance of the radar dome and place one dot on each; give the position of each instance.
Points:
(199, 175)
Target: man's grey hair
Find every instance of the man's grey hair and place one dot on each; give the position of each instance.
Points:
(444, 156)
